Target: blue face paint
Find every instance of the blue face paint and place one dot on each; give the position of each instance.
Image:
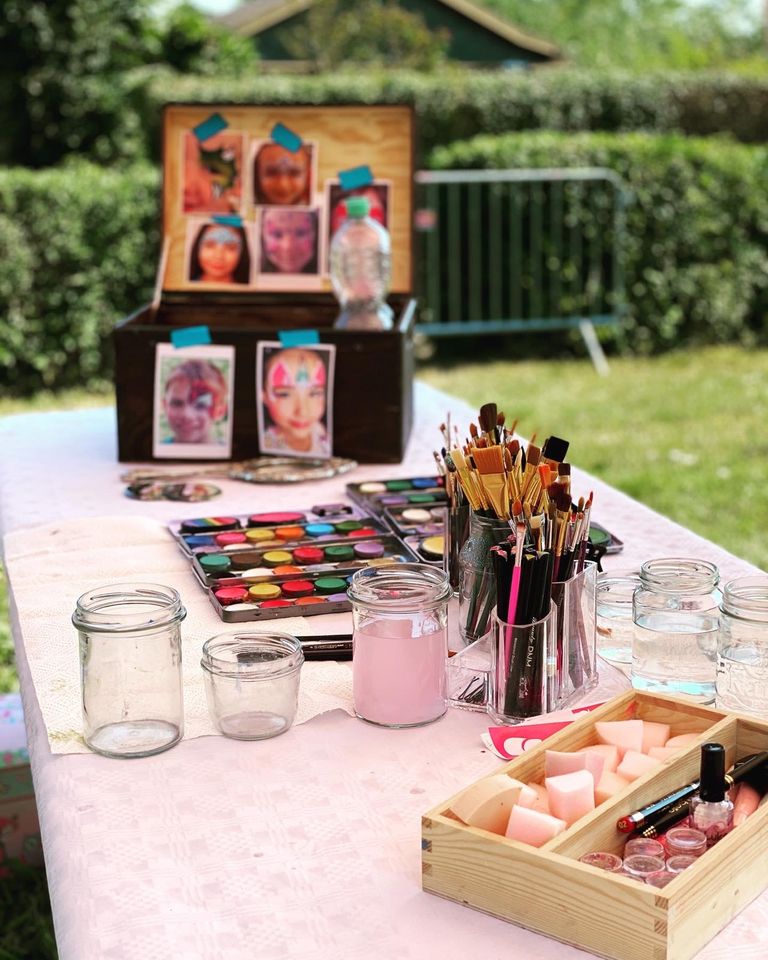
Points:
(220, 234)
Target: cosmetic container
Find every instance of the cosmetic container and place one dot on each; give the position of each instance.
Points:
(477, 584)
(614, 616)
(742, 647)
(641, 867)
(712, 808)
(575, 667)
(660, 879)
(130, 668)
(400, 616)
(252, 683)
(468, 675)
(675, 624)
(643, 847)
(685, 841)
(522, 658)
(605, 861)
(679, 863)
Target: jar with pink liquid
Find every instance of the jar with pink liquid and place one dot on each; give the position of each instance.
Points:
(400, 643)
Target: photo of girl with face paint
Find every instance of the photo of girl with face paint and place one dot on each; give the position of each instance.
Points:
(219, 254)
(282, 177)
(193, 400)
(296, 390)
(288, 240)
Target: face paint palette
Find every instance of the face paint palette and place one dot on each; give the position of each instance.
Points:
(423, 520)
(429, 549)
(218, 570)
(310, 595)
(233, 533)
(375, 496)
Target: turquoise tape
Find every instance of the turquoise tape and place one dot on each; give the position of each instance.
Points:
(298, 338)
(214, 124)
(191, 337)
(285, 137)
(355, 177)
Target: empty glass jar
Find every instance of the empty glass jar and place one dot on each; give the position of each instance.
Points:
(742, 651)
(676, 615)
(130, 668)
(477, 585)
(252, 683)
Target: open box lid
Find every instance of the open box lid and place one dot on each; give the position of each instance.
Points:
(252, 193)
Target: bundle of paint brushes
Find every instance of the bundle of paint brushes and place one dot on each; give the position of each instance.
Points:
(457, 521)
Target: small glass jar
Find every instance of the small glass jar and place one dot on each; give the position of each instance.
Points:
(680, 862)
(660, 879)
(252, 683)
(604, 861)
(614, 615)
(685, 841)
(742, 648)
(400, 643)
(641, 867)
(676, 615)
(477, 585)
(130, 668)
(644, 847)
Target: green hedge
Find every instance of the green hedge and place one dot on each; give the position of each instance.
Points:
(78, 250)
(696, 257)
(456, 104)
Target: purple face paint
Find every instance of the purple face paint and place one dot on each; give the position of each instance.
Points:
(369, 550)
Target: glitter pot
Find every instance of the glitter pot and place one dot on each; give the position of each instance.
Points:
(685, 841)
(679, 863)
(642, 847)
(660, 879)
(640, 867)
(605, 861)
(252, 683)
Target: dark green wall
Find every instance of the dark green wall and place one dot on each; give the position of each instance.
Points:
(469, 41)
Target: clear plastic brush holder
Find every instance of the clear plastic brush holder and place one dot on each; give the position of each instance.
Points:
(520, 658)
(573, 670)
(477, 584)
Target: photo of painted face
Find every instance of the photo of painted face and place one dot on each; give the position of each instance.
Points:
(212, 173)
(219, 254)
(288, 240)
(193, 401)
(282, 177)
(295, 385)
(379, 199)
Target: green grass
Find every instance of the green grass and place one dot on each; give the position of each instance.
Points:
(684, 433)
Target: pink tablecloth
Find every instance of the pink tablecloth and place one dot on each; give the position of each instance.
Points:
(305, 847)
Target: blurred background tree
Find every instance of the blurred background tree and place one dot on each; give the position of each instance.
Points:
(373, 33)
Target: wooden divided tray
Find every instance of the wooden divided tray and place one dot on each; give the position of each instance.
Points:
(548, 890)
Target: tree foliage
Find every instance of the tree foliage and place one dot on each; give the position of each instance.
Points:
(191, 43)
(337, 33)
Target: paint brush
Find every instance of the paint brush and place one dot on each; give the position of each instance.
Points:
(490, 465)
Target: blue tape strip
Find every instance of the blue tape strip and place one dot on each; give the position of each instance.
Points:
(191, 337)
(230, 219)
(285, 137)
(214, 124)
(298, 338)
(355, 177)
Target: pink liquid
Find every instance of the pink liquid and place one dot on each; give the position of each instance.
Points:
(399, 679)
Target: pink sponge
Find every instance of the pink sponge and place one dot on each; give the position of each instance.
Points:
(571, 795)
(532, 827)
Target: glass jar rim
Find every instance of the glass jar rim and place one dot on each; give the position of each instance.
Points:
(491, 522)
(107, 609)
(245, 655)
(679, 575)
(400, 587)
(747, 597)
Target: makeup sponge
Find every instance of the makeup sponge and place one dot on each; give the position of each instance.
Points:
(654, 734)
(608, 752)
(532, 827)
(610, 784)
(624, 734)
(571, 795)
(488, 803)
(634, 764)
(557, 763)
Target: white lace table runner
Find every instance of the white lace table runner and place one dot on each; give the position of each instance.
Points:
(51, 566)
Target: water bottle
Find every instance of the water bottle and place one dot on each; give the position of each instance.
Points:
(360, 270)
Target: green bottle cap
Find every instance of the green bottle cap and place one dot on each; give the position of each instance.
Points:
(358, 207)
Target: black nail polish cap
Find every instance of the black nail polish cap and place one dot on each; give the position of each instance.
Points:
(712, 778)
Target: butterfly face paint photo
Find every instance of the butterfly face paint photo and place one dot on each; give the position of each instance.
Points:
(296, 390)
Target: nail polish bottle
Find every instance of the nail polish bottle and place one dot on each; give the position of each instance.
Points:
(711, 808)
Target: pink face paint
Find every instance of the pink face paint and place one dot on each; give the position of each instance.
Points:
(280, 376)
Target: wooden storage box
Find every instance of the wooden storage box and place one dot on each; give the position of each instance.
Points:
(372, 405)
(548, 890)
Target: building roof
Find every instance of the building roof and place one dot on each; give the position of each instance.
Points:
(256, 16)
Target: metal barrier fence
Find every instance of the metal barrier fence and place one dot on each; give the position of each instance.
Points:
(501, 251)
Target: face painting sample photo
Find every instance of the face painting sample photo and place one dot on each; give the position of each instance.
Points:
(282, 177)
(193, 401)
(289, 240)
(213, 173)
(296, 390)
(218, 254)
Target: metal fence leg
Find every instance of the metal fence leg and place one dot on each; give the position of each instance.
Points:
(596, 354)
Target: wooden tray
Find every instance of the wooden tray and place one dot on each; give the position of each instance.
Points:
(548, 890)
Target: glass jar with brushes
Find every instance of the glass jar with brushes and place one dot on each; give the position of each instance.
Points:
(477, 585)
(675, 613)
(742, 647)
